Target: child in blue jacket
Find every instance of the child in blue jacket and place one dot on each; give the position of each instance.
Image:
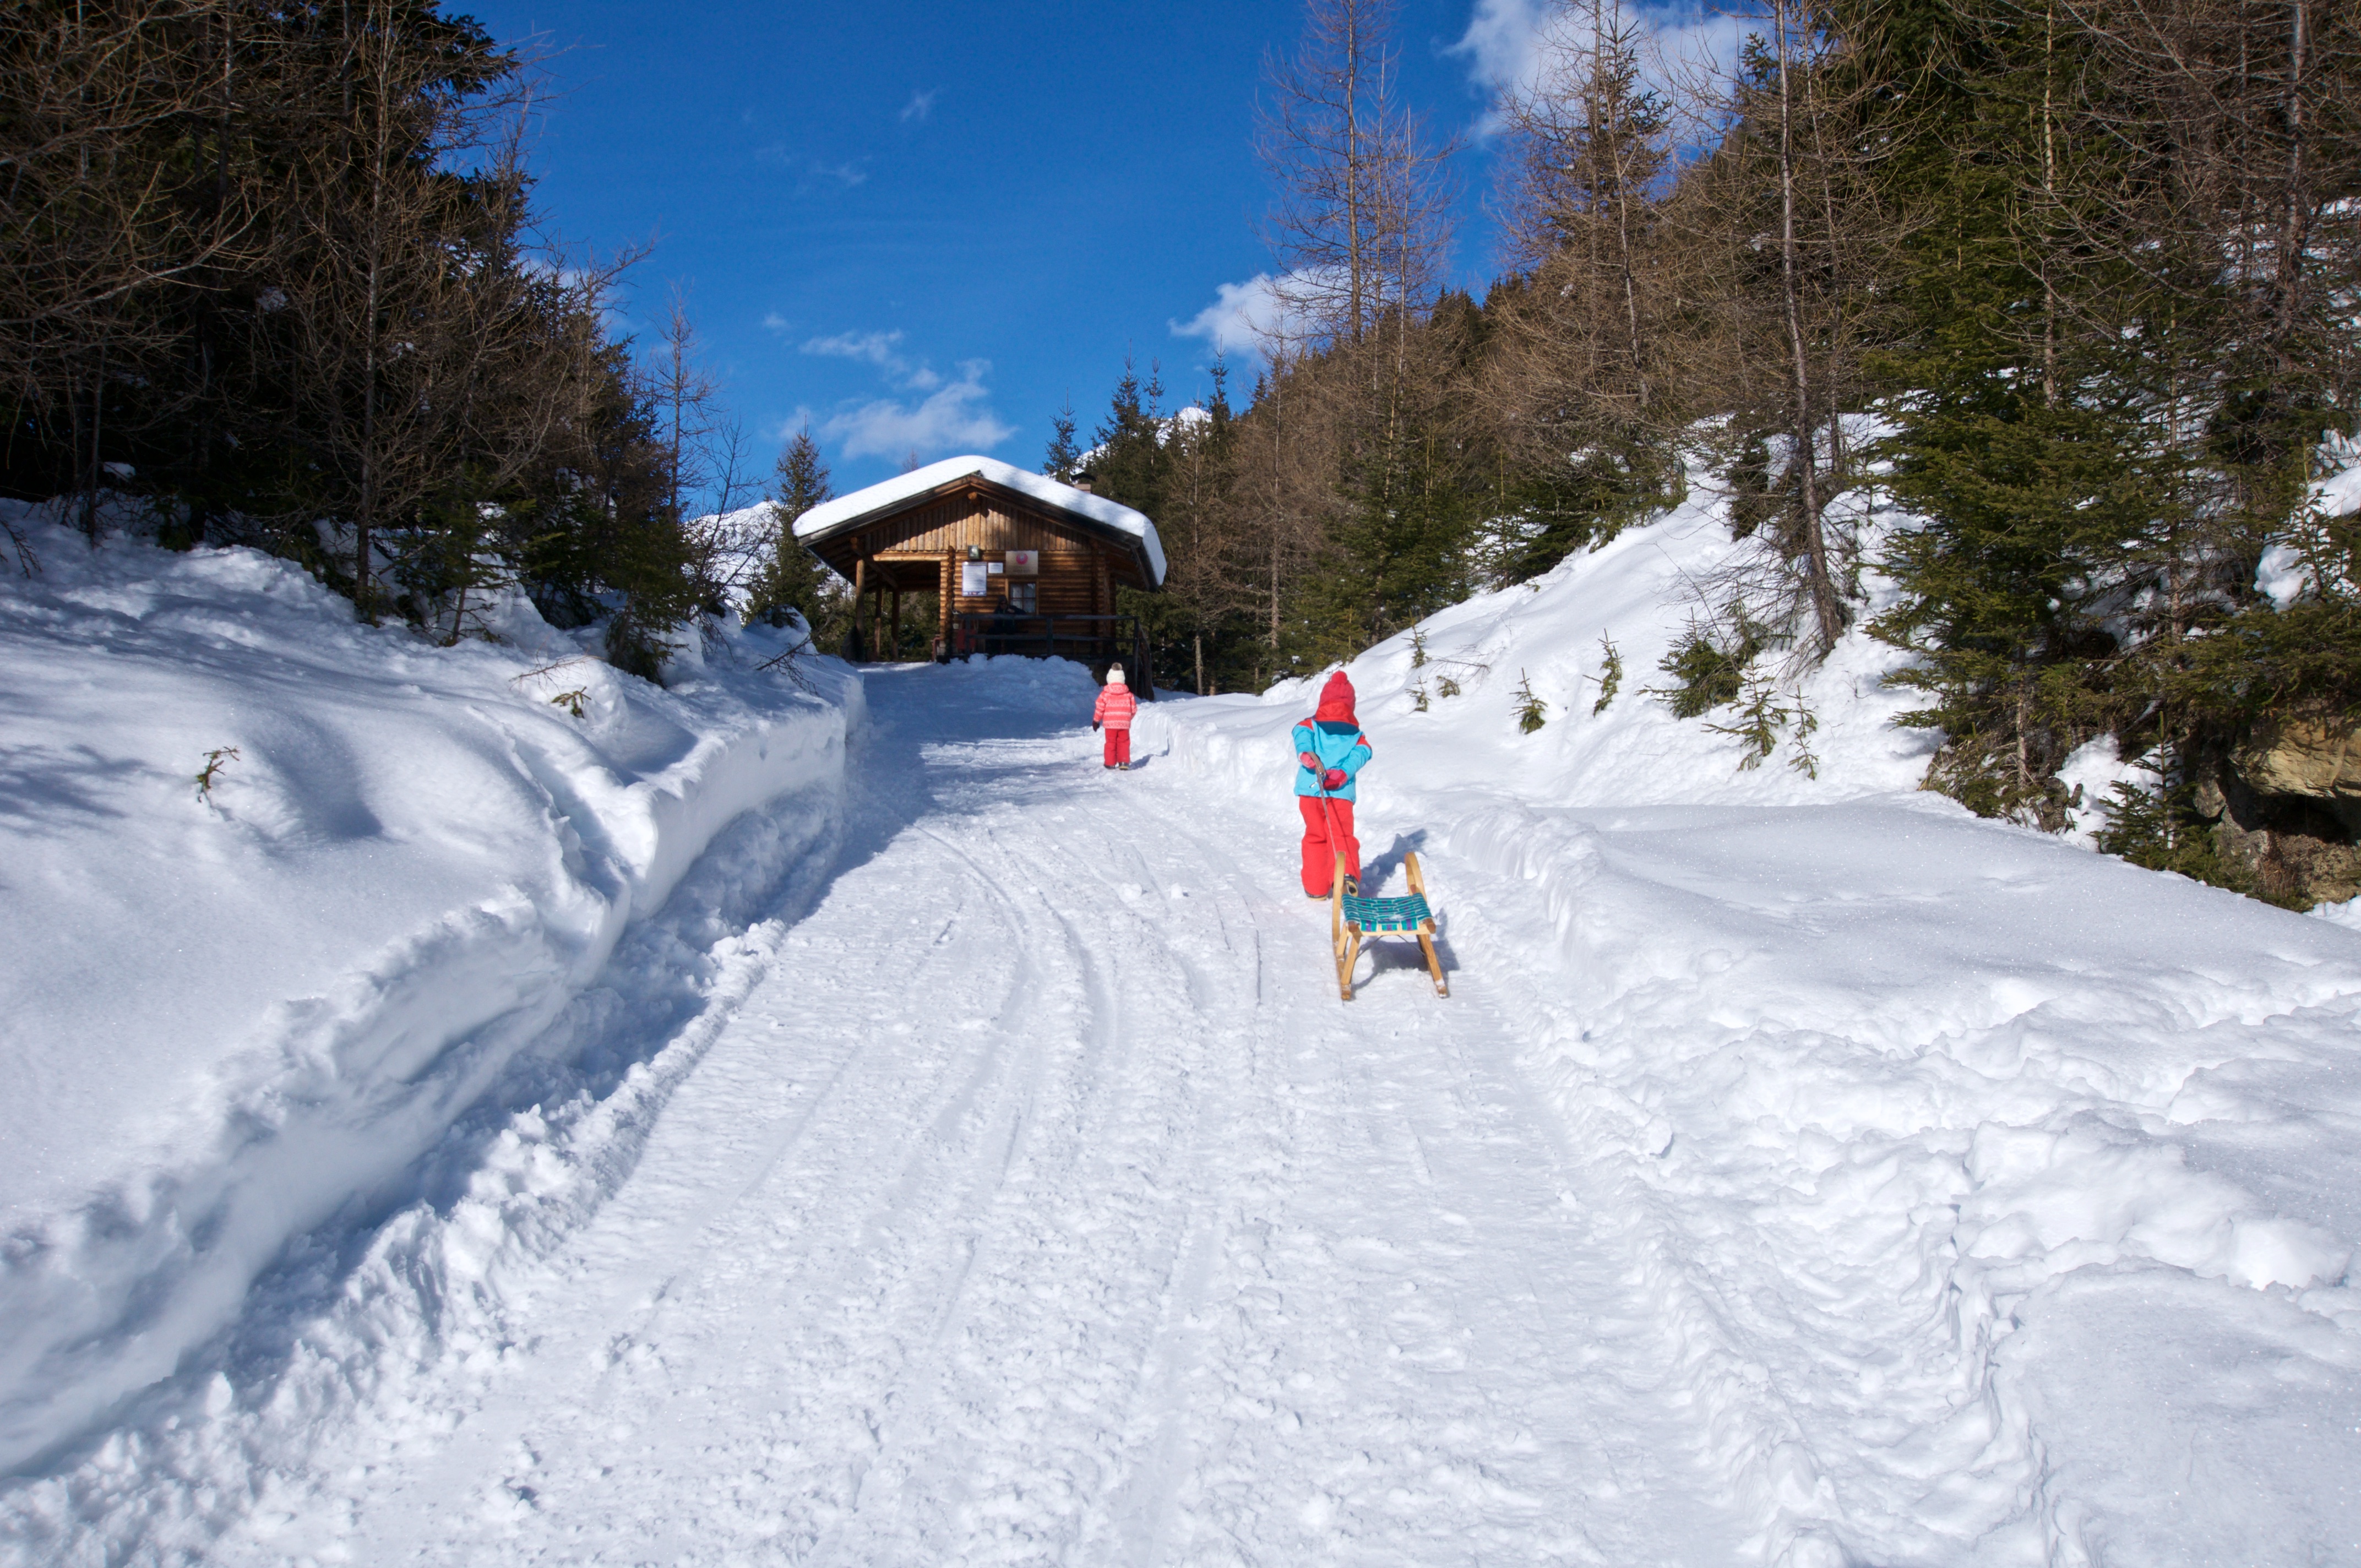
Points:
(1329, 750)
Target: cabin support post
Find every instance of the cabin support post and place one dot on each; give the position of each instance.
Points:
(946, 578)
(861, 602)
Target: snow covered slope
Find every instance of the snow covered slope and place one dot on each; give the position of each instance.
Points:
(1801, 1172)
(1554, 633)
(1997, 1200)
(226, 1014)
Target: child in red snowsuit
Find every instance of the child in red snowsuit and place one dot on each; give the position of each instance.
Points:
(1116, 707)
(1329, 750)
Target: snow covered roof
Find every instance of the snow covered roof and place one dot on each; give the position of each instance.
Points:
(831, 518)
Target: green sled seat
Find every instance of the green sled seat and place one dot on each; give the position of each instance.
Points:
(1352, 917)
(1373, 914)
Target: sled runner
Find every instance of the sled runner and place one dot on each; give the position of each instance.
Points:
(1351, 918)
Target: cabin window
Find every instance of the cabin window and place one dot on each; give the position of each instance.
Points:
(1024, 597)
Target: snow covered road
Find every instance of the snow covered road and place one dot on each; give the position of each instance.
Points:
(1040, 1204)
(977, 1166)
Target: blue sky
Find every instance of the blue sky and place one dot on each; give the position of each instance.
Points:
(926, 225)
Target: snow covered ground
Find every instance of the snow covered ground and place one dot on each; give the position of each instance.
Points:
(1801, 1170)
(230, 1015)
(1996, 1200)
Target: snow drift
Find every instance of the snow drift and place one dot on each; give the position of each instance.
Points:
(230, 1012)
(1998, 1199)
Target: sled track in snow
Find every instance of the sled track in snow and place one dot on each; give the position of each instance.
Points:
(1038, 1202)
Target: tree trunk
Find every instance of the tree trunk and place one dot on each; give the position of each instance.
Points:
(1353, 194)
(1826, 611)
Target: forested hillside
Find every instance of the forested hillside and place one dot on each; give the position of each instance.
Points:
(2088, 267)
(516, 1055)
(274, 270)
(2074, 279)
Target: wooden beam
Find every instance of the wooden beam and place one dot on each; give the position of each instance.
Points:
(861, 601)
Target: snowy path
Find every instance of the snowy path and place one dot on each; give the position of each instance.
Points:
(1042, 1204)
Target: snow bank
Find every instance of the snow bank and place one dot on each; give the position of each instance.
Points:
(1998, 1200)
(827, 516)
(1554, 633)
(231, 1012)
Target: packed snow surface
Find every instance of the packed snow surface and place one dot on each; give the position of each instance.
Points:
(829, 516)
(230, 1013)
(1801, 1171)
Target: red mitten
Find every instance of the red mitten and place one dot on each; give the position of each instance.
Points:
(1333, 779)
(1308, 759)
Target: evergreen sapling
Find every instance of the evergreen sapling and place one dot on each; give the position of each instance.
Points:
(1531, 711)
(1610, 676)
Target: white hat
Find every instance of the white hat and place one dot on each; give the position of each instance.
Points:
(1114, 674)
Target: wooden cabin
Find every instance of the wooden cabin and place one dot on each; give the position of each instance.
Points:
(1019, 562)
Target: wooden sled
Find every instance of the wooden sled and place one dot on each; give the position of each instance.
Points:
(1351, 918)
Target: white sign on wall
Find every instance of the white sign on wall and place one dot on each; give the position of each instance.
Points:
(1024, 562)
(974, 583)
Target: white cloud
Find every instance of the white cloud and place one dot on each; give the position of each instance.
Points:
(1509, 44)
(1245, 317)
(774, 321)
(956, 417)
(881, 349)
(1503, 44)
(785, 430)
(920, 107)
(809, 169)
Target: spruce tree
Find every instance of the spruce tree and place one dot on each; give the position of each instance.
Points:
(2081, 428)
(793, 579)
(1129, 462)
(1398, 551)
(1063, 457)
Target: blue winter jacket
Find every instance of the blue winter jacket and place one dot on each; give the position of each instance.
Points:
(1337, 745)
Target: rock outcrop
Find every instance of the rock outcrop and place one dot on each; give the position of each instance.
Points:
(2308, 758)
(2287, 809)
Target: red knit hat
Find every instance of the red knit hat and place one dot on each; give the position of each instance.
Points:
(1336, 701)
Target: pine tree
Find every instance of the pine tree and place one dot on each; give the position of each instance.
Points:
(1398, 552)
(1063, 457)
(1199, 614)
(1531, 711)
(1610, 676)
(1129, 462)
(2085, 429)
(793, 579)
(1582, 398)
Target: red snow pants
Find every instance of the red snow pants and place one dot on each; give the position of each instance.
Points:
(1321, 849)
(1118, 747)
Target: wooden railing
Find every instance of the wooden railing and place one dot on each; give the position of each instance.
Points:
(1092, 640)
